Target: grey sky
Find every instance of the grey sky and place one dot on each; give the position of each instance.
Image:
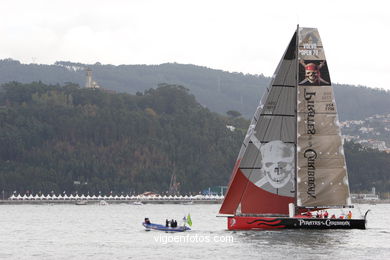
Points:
(242, 36)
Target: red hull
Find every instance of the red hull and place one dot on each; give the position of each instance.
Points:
(261, 223)
(246, 223)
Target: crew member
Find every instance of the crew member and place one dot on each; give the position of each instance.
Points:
(326, 214)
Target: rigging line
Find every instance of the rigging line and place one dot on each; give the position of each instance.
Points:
(284, 86)
(277, 115)
(289, 142)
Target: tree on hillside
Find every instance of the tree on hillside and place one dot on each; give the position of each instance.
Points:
(233, 113)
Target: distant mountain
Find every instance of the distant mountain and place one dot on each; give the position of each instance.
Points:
(218, 90)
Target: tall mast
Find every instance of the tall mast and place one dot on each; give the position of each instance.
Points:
(296, 116)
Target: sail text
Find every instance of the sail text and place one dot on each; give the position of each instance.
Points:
(311, 156)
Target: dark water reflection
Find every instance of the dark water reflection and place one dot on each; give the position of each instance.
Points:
(303, 238)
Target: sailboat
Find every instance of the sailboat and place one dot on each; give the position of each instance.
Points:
(291, 162)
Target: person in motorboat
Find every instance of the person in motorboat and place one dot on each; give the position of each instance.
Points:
(147, 221)
(167, 223)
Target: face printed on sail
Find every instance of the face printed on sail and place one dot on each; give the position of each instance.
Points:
(313, 75)
(311, 72)
(277, 164)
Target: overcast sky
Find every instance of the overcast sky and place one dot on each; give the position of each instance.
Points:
(241, 36)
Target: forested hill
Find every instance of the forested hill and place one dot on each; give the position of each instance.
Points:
(52, 136)
(367, 168)
(217, 90)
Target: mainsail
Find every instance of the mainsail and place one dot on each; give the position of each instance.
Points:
(322, 179)
(292, 152)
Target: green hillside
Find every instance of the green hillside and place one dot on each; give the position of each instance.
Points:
(367, 168)
(52, 136)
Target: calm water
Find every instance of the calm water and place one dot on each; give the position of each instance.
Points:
(115, 232)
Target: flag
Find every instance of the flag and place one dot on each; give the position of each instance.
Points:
(189, 221)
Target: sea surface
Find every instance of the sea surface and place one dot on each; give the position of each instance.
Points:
(54, 231)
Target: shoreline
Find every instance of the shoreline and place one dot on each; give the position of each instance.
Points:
(149, 201)
(96, 202)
